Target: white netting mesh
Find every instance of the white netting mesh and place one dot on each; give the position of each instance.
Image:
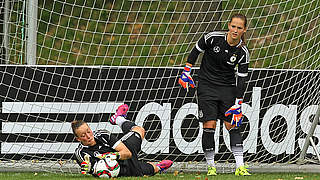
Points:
(282, 34)
(132, 51)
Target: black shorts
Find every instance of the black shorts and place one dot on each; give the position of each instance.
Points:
(134, 167)
(214, 101)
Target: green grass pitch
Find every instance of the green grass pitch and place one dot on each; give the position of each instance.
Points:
(181, 176)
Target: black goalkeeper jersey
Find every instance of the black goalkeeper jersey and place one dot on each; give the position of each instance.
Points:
(221, 62)
(105, 142)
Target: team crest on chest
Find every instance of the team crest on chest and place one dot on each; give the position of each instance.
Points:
(216, 49)
(96, 153)
(233, 58)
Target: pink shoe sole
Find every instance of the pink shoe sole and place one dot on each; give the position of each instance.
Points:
(121, 111)
(164, 165)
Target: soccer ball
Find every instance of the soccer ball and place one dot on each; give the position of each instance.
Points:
(106, 168)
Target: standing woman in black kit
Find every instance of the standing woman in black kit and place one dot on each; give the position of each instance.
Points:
(222, 79)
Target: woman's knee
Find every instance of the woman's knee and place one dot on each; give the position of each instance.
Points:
(139, 130)
(210, 124)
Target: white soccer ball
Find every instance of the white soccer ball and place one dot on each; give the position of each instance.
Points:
(107, 168)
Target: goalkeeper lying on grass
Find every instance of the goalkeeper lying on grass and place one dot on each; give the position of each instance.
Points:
(95, 146)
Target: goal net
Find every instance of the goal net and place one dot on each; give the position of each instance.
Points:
(79, 59)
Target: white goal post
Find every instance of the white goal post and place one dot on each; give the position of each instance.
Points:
(79, 59)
